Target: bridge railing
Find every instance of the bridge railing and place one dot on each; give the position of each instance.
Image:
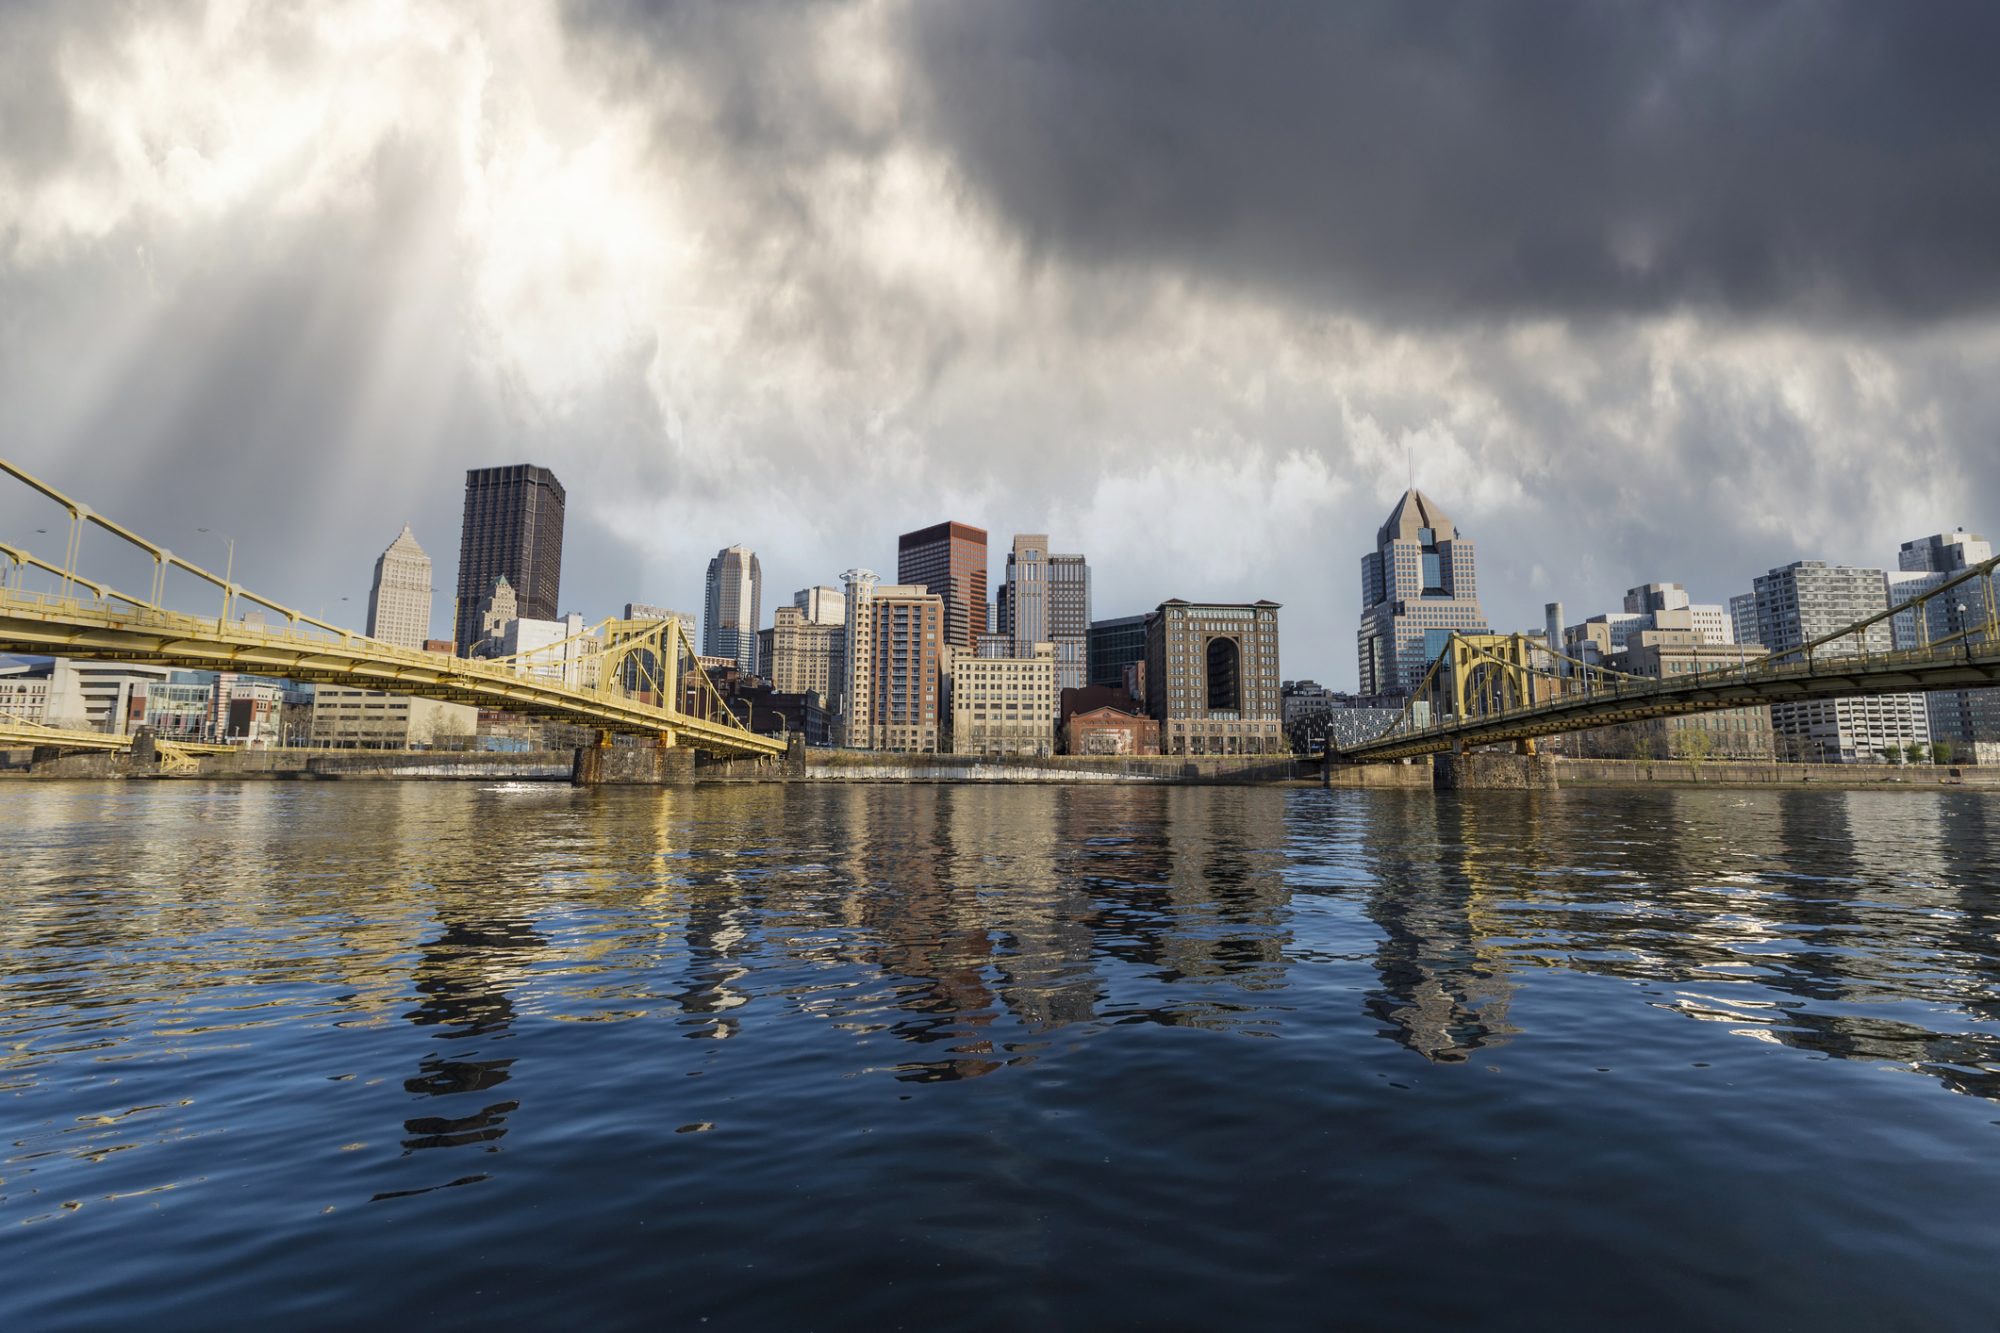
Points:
(1803, 665)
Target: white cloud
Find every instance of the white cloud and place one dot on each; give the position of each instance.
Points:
(478, 240)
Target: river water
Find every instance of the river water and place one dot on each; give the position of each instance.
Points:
(882, 1057)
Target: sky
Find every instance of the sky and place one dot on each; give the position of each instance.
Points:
(1667, 292)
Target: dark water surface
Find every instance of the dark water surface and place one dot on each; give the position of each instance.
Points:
(937, 1057)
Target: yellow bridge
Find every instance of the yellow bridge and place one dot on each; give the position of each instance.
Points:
(645, 672)
(1487, 689)
(176, 756)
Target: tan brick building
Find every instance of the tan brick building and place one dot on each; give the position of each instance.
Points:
(802, 654)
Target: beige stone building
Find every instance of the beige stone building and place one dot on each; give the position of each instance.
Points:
(399, 600)
(802, 653)
(352, 719)
(1003, 705)
(895, 652)
(1212, 678)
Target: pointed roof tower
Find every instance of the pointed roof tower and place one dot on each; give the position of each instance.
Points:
(1414, 512)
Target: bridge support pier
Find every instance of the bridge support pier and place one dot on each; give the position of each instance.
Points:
(1486, 770)
(632, 766)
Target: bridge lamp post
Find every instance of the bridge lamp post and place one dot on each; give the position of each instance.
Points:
(228, 575)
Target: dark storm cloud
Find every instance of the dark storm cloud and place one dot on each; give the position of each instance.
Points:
(1430, 160)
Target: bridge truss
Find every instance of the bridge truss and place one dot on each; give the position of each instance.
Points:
(1488, 689)
(643, 680)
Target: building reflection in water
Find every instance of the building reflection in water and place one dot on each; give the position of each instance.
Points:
(1853, 924)
(1440, 866)
(463, 979)
(927, 931)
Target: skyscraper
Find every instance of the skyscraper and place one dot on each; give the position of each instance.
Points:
(822, 605)
(1417, 587)
(399, 601)
(1803, 602)
(1026, 606)
(734, 605)
(1114, 645)
(513, 528)
(1957, 717)
(950, 560)
(1069, 619)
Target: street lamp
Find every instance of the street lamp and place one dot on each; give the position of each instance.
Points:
(228, 575)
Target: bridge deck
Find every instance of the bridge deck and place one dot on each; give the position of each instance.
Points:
(71, 627)
(1959, 666)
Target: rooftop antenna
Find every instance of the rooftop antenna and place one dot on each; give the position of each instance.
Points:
(1410, 461)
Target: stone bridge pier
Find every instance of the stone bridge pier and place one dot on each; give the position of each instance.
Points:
(1489, 770)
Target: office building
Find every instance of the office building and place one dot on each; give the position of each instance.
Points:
(1806, 601)
(1069, 619)
(100, 696)
(1024, 604)
(1651, 606)
(1960, 719)
(513, 529)
(399, 599)
(822, 605)
(895, 648)
(180, 709)
(803, 652)
(1303, 701)
(1113, 645)
(227, 688)
(1743, 617)
(351, 719)
(949, 559)
(1417, 588)
(1711, 622)
(1212, 678)
(1046, 599)
(651, 611)
(24, 687)
(734, 607)
(1002, 705)
(560, 651)
(498, 609)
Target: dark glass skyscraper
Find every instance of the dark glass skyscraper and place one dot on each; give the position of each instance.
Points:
(513, 526)
(1114, 645)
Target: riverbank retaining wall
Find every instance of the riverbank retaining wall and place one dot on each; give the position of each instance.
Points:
(866, 766)
(1738, 773)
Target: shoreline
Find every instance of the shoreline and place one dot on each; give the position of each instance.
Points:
(638, 766)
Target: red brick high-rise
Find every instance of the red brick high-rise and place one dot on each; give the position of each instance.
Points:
(949, 559)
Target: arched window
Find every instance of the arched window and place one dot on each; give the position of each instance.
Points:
(1225, 675)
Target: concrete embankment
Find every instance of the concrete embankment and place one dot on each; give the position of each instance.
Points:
(1737, 773)
(864, 766)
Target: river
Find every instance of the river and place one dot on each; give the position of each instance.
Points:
(876, 1057)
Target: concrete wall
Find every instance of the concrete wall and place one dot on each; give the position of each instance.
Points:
(1414, 777)
(1738, 773)
(376, 765)
(863, 766)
